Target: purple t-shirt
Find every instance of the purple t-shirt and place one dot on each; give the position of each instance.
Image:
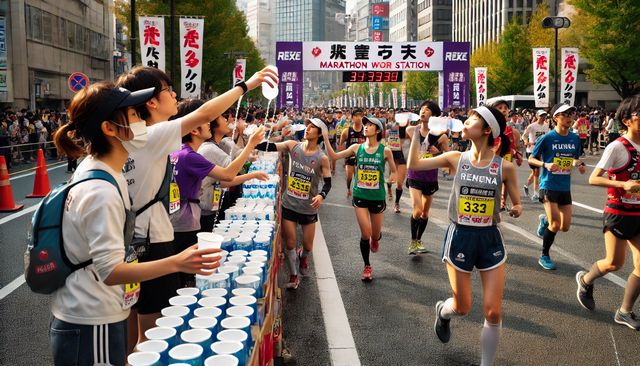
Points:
(190, 169)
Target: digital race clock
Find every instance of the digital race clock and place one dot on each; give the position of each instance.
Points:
(371, 76)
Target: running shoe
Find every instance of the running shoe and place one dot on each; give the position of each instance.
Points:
(413, 248)
(441, 326)
(293, 283)
(367, 274)
(535, 197)
(585, 292)
(396, 207)
(546, 262)
(420, 247)
(542, 224)
(628, 319)
(304, 264)
(374, 244)
(525, 188)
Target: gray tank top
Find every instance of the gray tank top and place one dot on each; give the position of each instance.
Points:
(475, 196)
(305, 173)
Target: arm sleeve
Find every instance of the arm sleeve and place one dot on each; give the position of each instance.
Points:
(326, 187)
(266, 146)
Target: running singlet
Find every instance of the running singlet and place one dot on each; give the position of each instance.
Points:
(355, 137)
(369, 177)
(619, 201)
(475, 193)
(534, 131)
(393, 139)
(561, 151)
(430, 175)
(302, 184)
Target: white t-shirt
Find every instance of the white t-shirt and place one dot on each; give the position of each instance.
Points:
(230, 147)
(93, 224)
(615, 155)
(144, 172)
(219, 157)
(533, 131)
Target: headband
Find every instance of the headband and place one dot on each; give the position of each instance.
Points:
(490, 119)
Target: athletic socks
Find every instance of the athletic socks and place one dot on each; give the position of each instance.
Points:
(292, 257)
(547, 240)
(398, 195)
(422, 226)
(365, 250)
(447, 311)
(489, 338)
(593, 274)
(415, 224)
(631, 293)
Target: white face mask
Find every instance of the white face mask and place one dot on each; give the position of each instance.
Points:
(140, 137)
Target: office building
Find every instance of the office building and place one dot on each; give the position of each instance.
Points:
(403, 21)
(308, 20)
(434, 20)
(261, 28)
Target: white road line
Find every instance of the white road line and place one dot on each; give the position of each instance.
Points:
(12, 286)
(587, 207)
(14, 216)
(615, 348)
(34, 172)
(342, 347)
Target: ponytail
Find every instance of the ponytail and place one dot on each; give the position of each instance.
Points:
(505, 144)
(66, 144)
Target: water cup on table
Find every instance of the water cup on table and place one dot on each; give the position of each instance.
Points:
(215, 302)
(162, 334)
(175, 322)
(200, 336)
(258, 258)
(188, 353)
(180, 311)
(222, 360)
(238, 253)
(244, 243)
(235, 335)
(242, 311)
(251, 282)
(188, 301)
(230, 269)
(237, 261)
(235, 349)
(250, 301)
(262, 242)
(219, 280)
(210, 324)
(254, 271)
(245, 291)
(228, 242)
(144, 359)
(237, 322)
(158, 346)
(208, 312)
(261, 265)
(216, 292)
(189, 291)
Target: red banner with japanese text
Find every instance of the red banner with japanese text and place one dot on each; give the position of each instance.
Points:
(152, 44)
(570, 59)
(481, 86)
(191, 34)
(541, 77)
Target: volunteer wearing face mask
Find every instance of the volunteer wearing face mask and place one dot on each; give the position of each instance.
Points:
(150, 179)
(90, 310)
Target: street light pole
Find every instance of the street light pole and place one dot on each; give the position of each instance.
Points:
(556, 23)
(173, 41)
(556, 90)
(133, 32)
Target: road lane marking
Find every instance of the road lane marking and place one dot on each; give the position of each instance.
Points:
(615, 348)
(12, 286)
(587, 207)
(55, 166)
(342, 347)
(18, 214)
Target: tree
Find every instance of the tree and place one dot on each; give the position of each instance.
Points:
(486, 56)
(611, 43)
(225, 30)
(513, 73)
(421, 85)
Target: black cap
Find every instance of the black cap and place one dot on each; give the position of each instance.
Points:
(115, 99)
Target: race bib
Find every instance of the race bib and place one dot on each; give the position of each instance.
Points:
(298, 187)
(368, 179)
(394, 143)
(631, 197)
(174, 198)
(215, 201)
(565, 164)
(426, 155)
(476, 210)
(508, 157)
(131, 290)
(583, 129)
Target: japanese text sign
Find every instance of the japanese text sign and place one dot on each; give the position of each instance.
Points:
(191, 34)
(152, 44)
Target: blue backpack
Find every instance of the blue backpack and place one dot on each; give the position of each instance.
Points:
(46, 263)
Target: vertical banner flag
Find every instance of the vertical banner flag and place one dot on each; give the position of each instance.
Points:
(380, 99)
(456, 75)
(191, 33)
(3, 55)
(403, 98)
(289, 64)
(372, 102)
(570, 59)
(481, 86)
(389, 100)
(239, 70)
(152, 41)
(394, 93)
(541, 77)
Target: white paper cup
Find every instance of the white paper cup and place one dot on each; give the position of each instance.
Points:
(208, 312)
(171, 322)
(162, 333)
(196, 336)
(143, 359)
(213, 302)
(181, 311)
(188, 291)
(188, 301)
(209, 240)
(244, 291)
(233, 335)
(204, 323)
(185, 352)
(258, 258)
(221, 360)
(228, 348)
(258, 253)
(236, 261)
(242, 311)
(235, 322)
(252, 271)
(215, 292)
(239, 253)
(219, 280)
(157, 346)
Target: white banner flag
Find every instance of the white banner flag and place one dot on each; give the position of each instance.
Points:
(481, 86)
(388, 100)
(403, 96)
(381, 99)
(372, 102)
(152, 42)
(191, 33)
(239, 71)
(541, 77)
(394, 92)
(570, 60)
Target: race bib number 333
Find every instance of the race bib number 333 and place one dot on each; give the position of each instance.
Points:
(476, 210)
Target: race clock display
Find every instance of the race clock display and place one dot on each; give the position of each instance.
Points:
(371, 76)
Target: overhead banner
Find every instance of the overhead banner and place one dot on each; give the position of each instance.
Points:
(289, 63)
(373, 56)
(481, 85)
(152, 45)
(239, 70)
(541, 77)
(456, 75)
(570, 59)
(191, 34)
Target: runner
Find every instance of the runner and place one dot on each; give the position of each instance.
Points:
(423, 184)
(621, 214)
(529, 137)
(352, 136)
(300, 204)
(557, 152)
(513, 154)
(473, 238)
(594, 134)
(582, 126)
(331, 125)
(368, 188)
(396, 135)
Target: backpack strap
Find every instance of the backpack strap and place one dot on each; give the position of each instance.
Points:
(157, 198)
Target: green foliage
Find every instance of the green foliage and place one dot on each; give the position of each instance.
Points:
(485, 56)
(611, 42)
(225, 31)
(421, 85)
(513, 73)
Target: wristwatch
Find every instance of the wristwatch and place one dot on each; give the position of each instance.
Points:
(243, 85)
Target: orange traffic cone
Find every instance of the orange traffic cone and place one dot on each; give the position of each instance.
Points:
(41, 184)
(6, 195)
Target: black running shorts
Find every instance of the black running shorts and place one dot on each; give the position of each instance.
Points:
(623, 227)
(298, 218)
(427, 188)
(562, 198)
(374, 207)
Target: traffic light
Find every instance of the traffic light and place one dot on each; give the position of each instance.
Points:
(556, 22)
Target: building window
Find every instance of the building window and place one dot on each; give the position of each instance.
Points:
(35, 23)
(71, 35)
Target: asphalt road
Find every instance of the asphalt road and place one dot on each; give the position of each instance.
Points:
(391, 319)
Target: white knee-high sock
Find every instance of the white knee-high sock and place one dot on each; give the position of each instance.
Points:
(489, 338)
(447, 309)
(292, 257)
